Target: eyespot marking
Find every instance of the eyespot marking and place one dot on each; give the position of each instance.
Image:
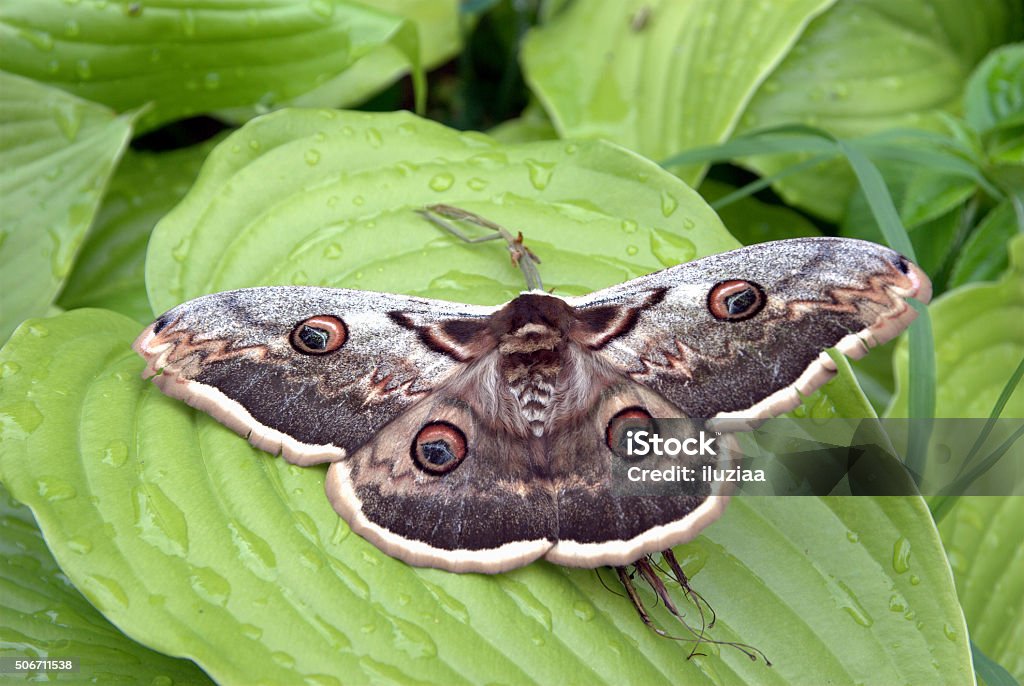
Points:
(736, 300)
(624, 421)
(319, 335)
(438, 448)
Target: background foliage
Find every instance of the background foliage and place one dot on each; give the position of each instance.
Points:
(154, 151)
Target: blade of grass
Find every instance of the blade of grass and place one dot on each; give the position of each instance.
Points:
(990, 671)
(764, 182)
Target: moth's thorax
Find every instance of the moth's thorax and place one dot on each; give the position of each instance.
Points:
(532, 338)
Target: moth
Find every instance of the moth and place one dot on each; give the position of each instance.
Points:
(480, 439)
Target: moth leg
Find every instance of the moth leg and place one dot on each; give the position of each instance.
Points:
(437, 215)
(627, 583)
(648, 571)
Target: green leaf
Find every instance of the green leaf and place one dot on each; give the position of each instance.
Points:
(193, 56)
(753, 221)
(979, 340)
(995, 91)
(43, 616)
(681, 80)
(437, 25)
(984, 255)
(868, 66)
(56, 154)
(110, 268)
(200, 546)
(984, 538)
(306, 197)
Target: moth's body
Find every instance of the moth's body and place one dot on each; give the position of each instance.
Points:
(481, 438)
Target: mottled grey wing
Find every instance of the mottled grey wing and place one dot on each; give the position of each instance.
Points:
(740, 335)
(241, 356)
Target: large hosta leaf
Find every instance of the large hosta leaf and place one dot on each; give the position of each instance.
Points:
(200, 546)
(984, 539)
(346, 187)
(56, 154)
(193, 56)
(110, 269)
(659, 77)
(869, 65)
(437, 24)
(43, 616)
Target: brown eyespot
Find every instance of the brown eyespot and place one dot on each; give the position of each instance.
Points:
(622, 424)
(736, 300)
(438, 448)
(319, 335)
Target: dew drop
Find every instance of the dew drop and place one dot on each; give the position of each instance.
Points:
(442, 182)
(311, 560)
(897, 603)
(374, 138)
(477, 184)
(540, 173)
(283, 659)
(211, 81)
(251, 631)
(358, 201)
(915, 580)
(115, 454)
(40, 39)
(632, 250)
(689, 224)
(630, 226)
(254, 144)
(188, 22)
(322, 7)
(210, 585)
(71, 28)
(450, 605)
(583, 610)
(528, 603)
(83, 69)
(300, 278)
(8, 369)
(19, 419)
(901, 555)
(412, 640)
(669, 204)
(670, 248)
(253, 549)
(321, 680)
(105, 593)
(333, 251)
(55, 489)
(852, 536)
(845, 598)
(312, 157)
(949, 631)
(341, 531)
(180, 251)
(82, 546)
(159, 520)
(350, 578)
